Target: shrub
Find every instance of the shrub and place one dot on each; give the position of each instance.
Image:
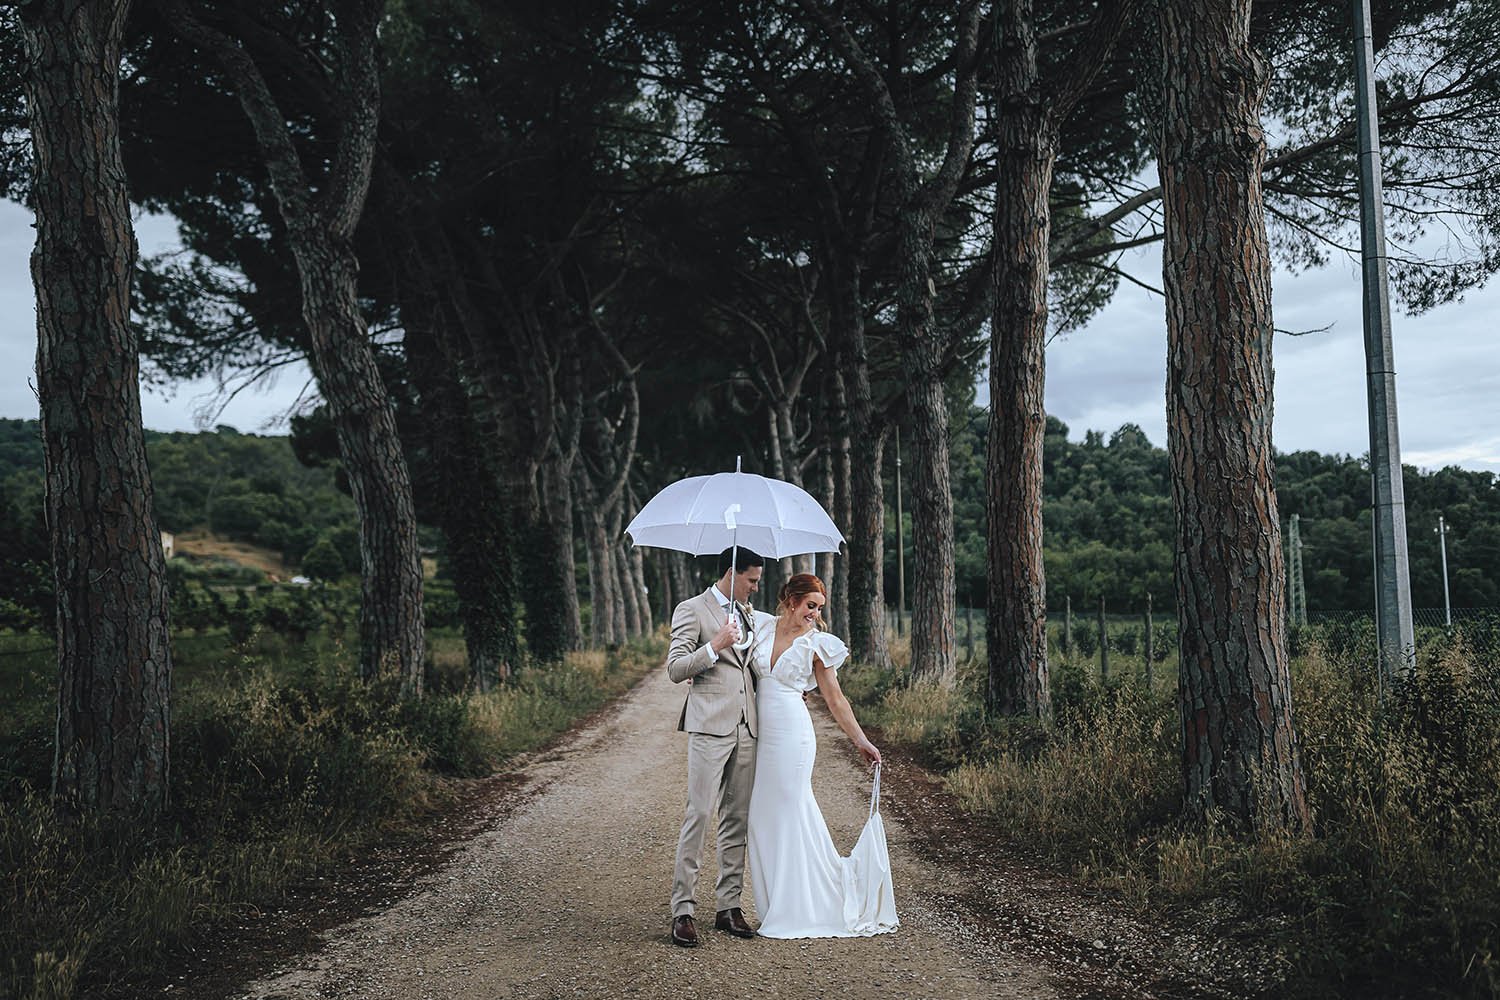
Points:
(323, 561)
(1392, 894)
(281, 767)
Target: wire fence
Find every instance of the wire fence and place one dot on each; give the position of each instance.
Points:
(1344, 633)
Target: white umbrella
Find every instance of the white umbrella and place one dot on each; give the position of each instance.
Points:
(705, 515)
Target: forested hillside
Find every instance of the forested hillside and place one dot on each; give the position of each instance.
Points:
(1107, 509)
(243, 487)
(1108, 522)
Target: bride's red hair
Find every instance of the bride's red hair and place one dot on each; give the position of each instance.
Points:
(797, 588)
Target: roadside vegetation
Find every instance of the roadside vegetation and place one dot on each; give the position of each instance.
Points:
(1394, 894)
(284, 765)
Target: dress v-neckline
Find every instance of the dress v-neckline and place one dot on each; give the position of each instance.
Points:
(775, 656)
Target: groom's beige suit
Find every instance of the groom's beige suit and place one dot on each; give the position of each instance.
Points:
(719, 717)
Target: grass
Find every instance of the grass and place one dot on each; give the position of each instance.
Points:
(1394, 893)
(205, 546)
(284, 764)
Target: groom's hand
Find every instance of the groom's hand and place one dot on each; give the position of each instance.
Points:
(725, 637)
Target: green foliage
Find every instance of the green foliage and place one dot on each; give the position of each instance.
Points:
(284, 764)
(246, 487)
(1107, 513)
(323, 561)
(1392, 895)
(440, 604)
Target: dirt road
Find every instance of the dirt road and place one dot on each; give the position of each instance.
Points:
(567, 896)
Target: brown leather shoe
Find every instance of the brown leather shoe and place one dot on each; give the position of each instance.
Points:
(684, 932)
(733, 921)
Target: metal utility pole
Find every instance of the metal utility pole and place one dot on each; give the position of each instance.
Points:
(1442, 533)
(900, 546)
(1295, 581)
(1393, 619)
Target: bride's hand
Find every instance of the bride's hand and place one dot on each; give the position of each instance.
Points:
(867, 749)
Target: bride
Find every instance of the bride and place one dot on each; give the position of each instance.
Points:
(803, 888)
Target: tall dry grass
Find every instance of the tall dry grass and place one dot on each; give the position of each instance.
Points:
(1396, 890)
(280, 769)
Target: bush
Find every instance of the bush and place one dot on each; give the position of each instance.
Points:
(242, 619)
(282, 766)
(323, 561)
(1393, 894)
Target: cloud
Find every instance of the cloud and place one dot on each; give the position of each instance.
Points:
(1113, 371)
(1447, 369)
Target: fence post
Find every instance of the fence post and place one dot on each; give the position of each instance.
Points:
(969, 629)
(1067, 636)
(1150, 651)
(1103, 645)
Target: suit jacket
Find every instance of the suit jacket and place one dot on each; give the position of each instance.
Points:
(720, 692)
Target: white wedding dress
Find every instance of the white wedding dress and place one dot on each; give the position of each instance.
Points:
(803, 888)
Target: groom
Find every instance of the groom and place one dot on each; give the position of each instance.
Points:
(719, 718)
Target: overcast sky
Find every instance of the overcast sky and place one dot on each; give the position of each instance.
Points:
(1110, 373)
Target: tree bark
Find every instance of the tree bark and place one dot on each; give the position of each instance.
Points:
(638, 573)
(113, 649)
(865, 521)
(320, 222)
(619, 620)
(1239, 747)
(629, 592)
(1016, 625)
(934, 622)
(919, 205)
(557, 498)
(601, 581)
(459, 476)
(1028, 123)
(826, 564)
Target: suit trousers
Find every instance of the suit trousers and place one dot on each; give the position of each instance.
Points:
(722, 769)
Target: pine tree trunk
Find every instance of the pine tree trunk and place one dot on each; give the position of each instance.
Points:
(667, 593)
(826, 565)
(865, 527)
(934, 626)
(1239, 745)
(458, 474)
(631, 596)
(682, 580)
(113, 649)
(390, 613)
(638, 574)
(601, 588)
(1016, 624)
(557, 499)
(619, 624)
(469, 506)
(320, 220)
(841, 490)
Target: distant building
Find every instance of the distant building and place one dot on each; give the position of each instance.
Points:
(168, 544)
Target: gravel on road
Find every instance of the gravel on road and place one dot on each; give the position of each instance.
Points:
(567, 896)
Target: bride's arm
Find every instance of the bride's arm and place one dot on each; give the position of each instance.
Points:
(842, 711)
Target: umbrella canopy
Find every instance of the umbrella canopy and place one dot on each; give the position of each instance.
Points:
(705, 515)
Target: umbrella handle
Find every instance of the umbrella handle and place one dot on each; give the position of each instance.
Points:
(744, 643)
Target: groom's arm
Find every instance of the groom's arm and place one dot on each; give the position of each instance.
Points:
(687, 656)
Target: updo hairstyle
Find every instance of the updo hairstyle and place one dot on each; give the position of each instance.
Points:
(798, 587)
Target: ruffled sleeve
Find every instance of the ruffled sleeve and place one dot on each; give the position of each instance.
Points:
(830, 649)
(795, 666)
